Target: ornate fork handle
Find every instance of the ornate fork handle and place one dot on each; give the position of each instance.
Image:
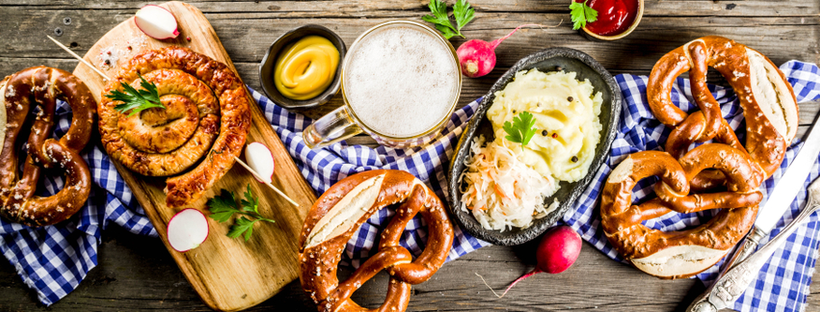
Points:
(738, 278)
(701, 303)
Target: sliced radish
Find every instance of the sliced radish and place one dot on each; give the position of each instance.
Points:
(187, 230)
(157, 22)
(260, 159)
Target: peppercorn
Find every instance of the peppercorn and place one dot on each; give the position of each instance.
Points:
(555, 135)
(188, 38)
(544, 132)
(513, 111)
(107, 62)
(569, 99)
(574, 158)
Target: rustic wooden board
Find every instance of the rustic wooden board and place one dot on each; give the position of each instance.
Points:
(229, 274)
(136, 273)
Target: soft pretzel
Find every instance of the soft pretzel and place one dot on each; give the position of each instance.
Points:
(205, 121)
(730, 171)
(339, 213)
(688, 252)
(44, 85)
(768, 101)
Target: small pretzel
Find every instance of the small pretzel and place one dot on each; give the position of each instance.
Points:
(204, 124)
(339, 213)
(44, 85)
(681, 253)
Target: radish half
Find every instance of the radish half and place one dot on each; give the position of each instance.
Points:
(157, 22)
(260, 159)
(187, 230)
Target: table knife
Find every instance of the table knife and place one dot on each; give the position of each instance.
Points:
(781, 197)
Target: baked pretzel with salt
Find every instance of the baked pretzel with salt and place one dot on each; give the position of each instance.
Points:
(768, 101)
(728, 170)
(28, 99)
(339, 213)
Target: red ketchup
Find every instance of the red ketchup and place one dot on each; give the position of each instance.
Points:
(614, 16)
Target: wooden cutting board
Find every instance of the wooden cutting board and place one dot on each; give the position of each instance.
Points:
(229, 274)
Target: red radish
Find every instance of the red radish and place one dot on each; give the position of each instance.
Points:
(557, 251)
(260, 159)
(477, 57)
(157, 22)
(187, 230)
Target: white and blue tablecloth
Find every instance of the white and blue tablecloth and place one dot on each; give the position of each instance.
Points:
(53, 260)
(783, 283)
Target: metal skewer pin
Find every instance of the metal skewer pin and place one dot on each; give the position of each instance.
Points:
(79, 58)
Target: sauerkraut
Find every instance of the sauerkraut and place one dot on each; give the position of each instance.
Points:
(503, 192)
(507, 184)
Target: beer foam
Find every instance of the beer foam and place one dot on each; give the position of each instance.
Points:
(400, 81)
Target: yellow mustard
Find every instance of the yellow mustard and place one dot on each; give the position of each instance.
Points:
(306, 68)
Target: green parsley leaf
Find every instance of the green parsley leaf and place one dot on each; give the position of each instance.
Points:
(136, 100)
(446, 32)
(250, 203)
(243, 226)
(224, 206)
(461, 12)
(521, 129)
(582, 14)
(439, 10)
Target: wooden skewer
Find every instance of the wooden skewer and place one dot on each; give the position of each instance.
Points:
(78, 57)
(255, 174)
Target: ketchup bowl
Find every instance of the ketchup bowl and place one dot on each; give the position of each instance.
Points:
(613, 16)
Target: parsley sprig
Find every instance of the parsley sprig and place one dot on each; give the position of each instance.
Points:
(462, 12)
(521, 129)
(582, 14)
(224, 206)
(136, 100)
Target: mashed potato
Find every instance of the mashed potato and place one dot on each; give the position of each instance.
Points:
(566, 115)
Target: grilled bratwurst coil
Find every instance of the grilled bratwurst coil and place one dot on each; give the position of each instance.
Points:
(339, 213)
(29, 101)
(206, 121)
(730, 171)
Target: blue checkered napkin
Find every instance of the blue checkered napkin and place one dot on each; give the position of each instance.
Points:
(324, 167)
(783, 283)
(53, 260)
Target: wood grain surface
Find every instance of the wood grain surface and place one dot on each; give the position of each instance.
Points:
(270, 258)
(136, 272)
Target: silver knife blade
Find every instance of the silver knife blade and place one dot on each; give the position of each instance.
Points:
(790, 183)
(737, 279)
(778, 202)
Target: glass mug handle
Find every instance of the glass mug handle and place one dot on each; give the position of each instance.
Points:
(331, 128)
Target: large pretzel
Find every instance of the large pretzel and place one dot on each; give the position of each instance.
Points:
(339, 213)
(730, 171)
(688, 252)
(768, 101)
(205, 121)
(44, 85)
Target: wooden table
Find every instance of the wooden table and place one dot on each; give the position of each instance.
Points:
(136, 272)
